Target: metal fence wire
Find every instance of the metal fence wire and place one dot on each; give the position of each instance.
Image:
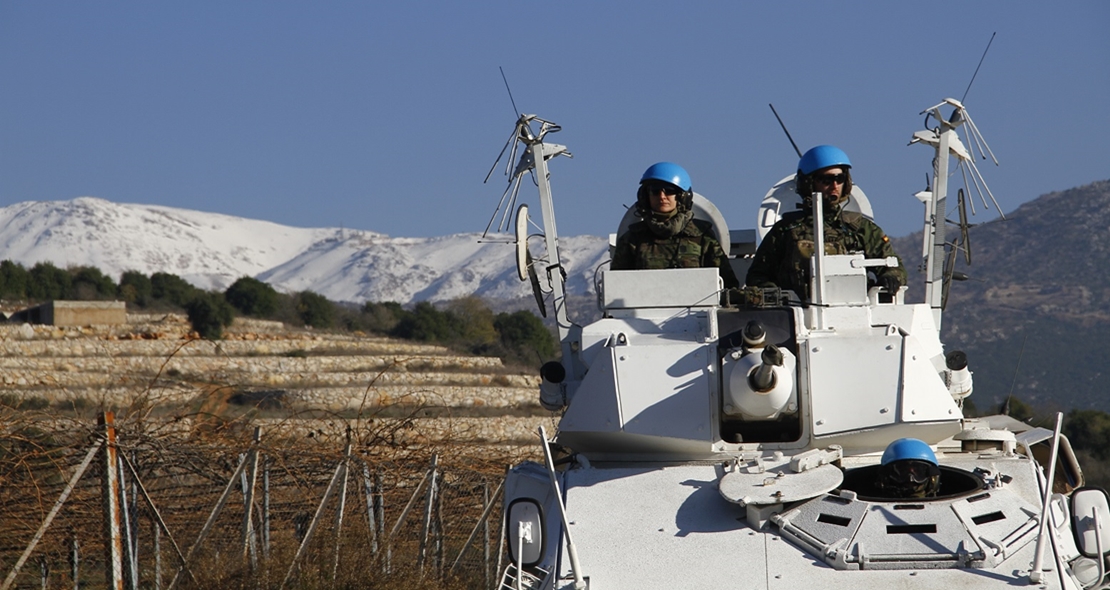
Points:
(85, 506)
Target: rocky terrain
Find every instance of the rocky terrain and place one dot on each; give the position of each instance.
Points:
(263, 373)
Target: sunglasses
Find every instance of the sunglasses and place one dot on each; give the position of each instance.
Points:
(913, 471)
(661, 187)
(831, 178)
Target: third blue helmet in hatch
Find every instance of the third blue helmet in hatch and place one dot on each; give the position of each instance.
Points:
(668, 172)
(823, 156)
(909, 448)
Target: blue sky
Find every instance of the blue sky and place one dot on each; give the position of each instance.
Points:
(386, 116)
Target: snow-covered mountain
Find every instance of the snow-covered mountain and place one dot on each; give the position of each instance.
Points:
(211, 251)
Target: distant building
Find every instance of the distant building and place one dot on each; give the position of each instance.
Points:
(74, 313)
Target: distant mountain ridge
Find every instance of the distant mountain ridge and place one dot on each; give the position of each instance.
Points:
(212, 250)
(1034, 314)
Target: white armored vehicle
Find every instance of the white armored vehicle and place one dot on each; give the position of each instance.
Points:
(738, 445)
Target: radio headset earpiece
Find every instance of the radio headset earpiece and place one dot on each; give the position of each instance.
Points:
(686, 200)
(803, 185)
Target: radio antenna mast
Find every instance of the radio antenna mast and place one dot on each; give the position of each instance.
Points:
(783, 125)
(976, 67)
(517, 113)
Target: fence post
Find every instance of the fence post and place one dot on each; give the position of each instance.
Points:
(438, 528)
(379, 507)
(342, 504)
(131, 573)
(157, 534)
(110, 493)
(368, 491)
(428, 505)
(266, 508)
(485, 529)
(249, 479)
(74, 560)
(134, 528)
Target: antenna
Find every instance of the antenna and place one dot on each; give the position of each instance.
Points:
(978, 66)
(512, 138)
(516, 111)
(783, 125)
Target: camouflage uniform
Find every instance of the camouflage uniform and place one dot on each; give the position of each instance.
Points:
(646, 247)
(782, 259)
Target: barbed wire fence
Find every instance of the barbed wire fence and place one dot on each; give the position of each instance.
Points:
(135, 505)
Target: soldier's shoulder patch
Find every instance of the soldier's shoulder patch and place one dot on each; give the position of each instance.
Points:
(886, 238)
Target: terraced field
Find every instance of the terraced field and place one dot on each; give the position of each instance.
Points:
(264, 373)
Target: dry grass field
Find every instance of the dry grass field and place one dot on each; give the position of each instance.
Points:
(375, 462)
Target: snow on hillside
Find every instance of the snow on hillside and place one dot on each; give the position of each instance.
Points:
(211, 251)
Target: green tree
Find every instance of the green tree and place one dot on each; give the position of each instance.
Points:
(314, 310)
(209, 313)
(525, 337)
(381, 317)
(48, 282)
(171, 289)
(424, 323)
(135, 287)
(89, 283)
(13, 280)
(252, 297)
(1089, 430)
(473, 322)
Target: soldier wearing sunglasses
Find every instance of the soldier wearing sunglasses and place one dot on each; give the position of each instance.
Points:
(667, 235)
(782, 259)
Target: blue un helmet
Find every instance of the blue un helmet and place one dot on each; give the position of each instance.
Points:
(909, 448)
(823, 156)
(670, 173)
(909, 469)
(819, 158)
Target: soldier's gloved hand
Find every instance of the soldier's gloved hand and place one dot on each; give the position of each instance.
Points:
(890, 283)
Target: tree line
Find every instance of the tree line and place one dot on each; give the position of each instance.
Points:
(464, 324)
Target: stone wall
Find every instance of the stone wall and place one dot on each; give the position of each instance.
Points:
(152, 361)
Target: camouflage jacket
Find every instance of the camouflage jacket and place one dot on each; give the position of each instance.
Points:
(782, 259)
(692, 247)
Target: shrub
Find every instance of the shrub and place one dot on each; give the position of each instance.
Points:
(472, 322)
(314, 309)
(1089, 430)
(48, 282)
(209, 314)
(381, 317)
(424, 323)
(171, 289)
(13, 280)
(525, 337)
(88, 283)
(135, 287)
(252, 297)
